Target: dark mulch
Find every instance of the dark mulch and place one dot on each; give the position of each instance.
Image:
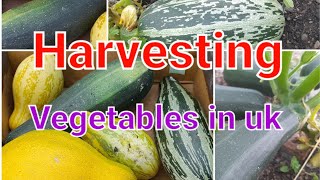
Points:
(302, 30)
(272, 172)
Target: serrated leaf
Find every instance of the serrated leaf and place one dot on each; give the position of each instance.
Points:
(284, 169)
(295, 164)
(288, 3)
(314, 176)
(127, 35)
(308, 56)
(120, 5)
(114, 33)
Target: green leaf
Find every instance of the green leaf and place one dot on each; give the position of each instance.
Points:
(307, 57)
(127, 35)
(288, 3)
(143, 41)
(314, 101)
(295, 165)
(114, 33)
(306, 86)
(314, 176)
(284, 169)
(268, 56)
(120, 5)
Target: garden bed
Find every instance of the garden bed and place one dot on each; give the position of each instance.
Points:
(302, 28)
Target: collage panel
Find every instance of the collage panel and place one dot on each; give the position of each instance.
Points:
(172, 143)
(252, 152)
(297, 27)
(70, 90)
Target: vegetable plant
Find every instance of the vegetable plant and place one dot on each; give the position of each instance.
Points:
(295, 97)
(233, 149)
(281, 85)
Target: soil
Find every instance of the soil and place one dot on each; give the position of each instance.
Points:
(302, 30)
(272, 171)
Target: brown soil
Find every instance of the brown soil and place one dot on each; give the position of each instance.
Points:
(302, 29)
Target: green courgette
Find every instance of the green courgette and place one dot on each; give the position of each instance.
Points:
(238, 100)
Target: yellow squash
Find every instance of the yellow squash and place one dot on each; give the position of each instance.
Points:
(56, 155)
(36, 87)
(99, 30)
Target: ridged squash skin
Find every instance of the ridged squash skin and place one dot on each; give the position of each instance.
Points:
(56, 155)
(133, 148)
(185, 155)
(307, 69)
(99, 30)
(34, 87)
(251, 20)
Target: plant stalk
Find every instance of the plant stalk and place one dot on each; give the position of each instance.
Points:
(306, 86)
(281, 84)
(314, 101)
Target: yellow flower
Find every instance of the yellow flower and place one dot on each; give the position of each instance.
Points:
(129, 17)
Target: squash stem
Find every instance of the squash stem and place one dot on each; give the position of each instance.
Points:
(306, 86)
(282, 82)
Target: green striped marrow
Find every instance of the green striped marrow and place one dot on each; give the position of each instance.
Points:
(238, 100)
(135, 149)
(97, 91)
(75, 17)
(184, 154)
(243, 154)
(171, 20)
